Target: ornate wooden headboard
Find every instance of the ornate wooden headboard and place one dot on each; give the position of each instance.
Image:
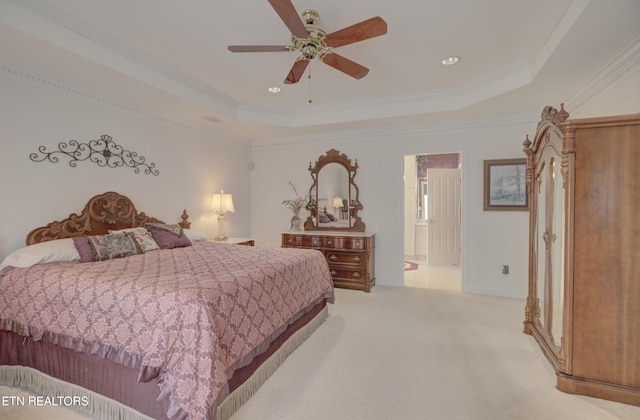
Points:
(104, 212)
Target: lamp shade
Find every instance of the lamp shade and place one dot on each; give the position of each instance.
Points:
(222, 203)
(337, 202)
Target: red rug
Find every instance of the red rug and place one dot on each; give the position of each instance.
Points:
(408, 266)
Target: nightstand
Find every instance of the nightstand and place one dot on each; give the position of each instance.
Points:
(239, 241)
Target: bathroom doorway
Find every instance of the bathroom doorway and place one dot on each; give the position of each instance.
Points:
(432, 245)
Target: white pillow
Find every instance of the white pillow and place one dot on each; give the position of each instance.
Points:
(143, 237)
(195, 236)
(42, 253)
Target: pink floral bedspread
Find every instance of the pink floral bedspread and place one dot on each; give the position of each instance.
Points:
(192, 312)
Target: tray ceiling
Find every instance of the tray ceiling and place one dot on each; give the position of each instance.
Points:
(171, 58)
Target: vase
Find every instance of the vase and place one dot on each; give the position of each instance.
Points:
(295, 222)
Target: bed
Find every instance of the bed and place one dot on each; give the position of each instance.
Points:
(183, 331)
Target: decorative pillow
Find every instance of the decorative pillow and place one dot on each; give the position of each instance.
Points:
(84, 249)
(195, 236)
(42, 253)
(324, 219)
(331, 217)
(142, 235)
(168, 236)
(107, 247)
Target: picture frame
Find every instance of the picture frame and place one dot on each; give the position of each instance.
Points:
(505, 186)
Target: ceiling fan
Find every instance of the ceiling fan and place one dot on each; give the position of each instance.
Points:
(312, 42)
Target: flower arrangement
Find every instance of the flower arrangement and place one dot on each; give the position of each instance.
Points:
(295, 206)
(297, 203)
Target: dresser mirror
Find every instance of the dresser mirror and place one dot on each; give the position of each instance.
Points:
(334, 195)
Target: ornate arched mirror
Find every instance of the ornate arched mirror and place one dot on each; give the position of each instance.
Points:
(334, 195)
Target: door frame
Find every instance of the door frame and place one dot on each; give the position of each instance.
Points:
(406, 210)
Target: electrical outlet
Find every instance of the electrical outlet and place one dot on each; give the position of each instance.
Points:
(505, 270)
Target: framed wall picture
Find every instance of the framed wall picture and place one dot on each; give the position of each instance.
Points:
(505, 184)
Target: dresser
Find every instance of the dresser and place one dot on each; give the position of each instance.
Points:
(350, 255)
(583, 305)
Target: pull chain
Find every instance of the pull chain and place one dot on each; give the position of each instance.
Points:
(309, 77)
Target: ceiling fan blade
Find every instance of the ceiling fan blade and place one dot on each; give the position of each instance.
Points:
(369, 28)
(345, 65)
(290, 17)
(259, 48)
(296, 72)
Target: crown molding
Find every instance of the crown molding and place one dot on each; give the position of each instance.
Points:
(45, 21)
(404, 132)
(557, 24)
(24, 72)
(620, 68)
(512, 76)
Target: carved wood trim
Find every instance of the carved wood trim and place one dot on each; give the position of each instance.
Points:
(552, 115)
(103, 212)
(334, 156)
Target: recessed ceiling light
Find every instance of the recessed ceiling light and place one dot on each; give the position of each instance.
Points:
(274, 89)
(450, 61)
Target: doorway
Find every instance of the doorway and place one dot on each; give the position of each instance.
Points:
(432, 221)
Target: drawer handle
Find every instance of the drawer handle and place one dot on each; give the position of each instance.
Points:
(356, 275)
(358, 243)
(330, 242)
(315, 242)
(356, 258)
(290, 240)
(334, 273)
(332, 257)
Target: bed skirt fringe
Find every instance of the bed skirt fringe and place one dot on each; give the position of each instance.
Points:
(102, 407)
(245, 391)
(97, 405)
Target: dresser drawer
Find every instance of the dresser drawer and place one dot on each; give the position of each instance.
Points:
(302, 241)
(291, 240)
(312, 241)
(344, 243)
(345, 258)
(352, 274)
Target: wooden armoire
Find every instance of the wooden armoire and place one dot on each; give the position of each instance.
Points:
(583, 304)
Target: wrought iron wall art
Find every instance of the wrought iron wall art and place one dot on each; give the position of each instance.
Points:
(104, 152)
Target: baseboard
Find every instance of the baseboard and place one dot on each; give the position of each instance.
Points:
(598, 389)
(504, 293)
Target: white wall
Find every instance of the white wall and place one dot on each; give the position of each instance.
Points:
(490, 239)
(192, 165)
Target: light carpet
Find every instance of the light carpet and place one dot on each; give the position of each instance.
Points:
(405, 353)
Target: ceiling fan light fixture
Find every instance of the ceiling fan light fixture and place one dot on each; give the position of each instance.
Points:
(450, 61)
(310, 17)
(314, 43)
(309, 50)
(274, 89)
